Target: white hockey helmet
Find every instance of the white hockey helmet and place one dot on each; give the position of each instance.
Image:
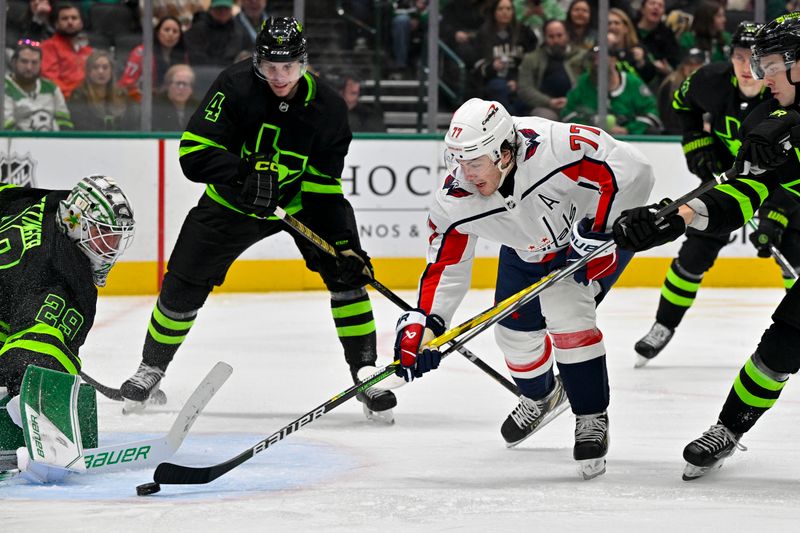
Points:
(98, 217)
(479, 127)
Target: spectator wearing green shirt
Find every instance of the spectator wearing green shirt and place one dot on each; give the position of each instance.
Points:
(708, 32)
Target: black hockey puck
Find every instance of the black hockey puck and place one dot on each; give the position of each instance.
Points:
(147, 488)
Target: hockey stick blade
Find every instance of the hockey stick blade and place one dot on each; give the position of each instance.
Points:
(158, 397)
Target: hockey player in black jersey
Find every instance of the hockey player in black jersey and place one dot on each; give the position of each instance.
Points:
(765, 164)
(266, 134)
(727, 92)
(55, 246)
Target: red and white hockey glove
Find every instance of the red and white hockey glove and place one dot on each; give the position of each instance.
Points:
(415, 329)
(584, 241)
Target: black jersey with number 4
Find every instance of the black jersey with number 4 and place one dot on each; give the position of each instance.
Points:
(308, 136)
(47, 295)
(714, 89)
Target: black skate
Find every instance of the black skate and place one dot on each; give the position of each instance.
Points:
(651, 344)
(377, 402)
(532, 415)
(591, 444)
(709, 452)
(142, 387)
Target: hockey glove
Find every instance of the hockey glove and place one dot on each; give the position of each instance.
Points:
(700, 158)
(353, 266)
(584, 241)
(414, 330)
(638, 230)
(771, 224)
(763, 147)
(259, 192)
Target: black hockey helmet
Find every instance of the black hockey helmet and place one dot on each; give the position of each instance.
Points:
(280, 40)
(745, 34)
(780, 36)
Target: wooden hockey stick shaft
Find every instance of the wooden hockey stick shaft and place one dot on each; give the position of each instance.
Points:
(325, 246)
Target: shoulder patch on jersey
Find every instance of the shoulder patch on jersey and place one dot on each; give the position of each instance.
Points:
(531, 144)
(451, 184)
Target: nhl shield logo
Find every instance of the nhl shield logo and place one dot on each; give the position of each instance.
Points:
(18, 170)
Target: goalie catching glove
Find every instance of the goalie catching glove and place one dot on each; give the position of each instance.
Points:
(415, 330)
(259, 185)
(584, 241)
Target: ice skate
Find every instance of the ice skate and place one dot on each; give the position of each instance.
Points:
(709, 452)
(532, 415)
(377, 402)
(143, 388)
(591, 444)
(651, 344)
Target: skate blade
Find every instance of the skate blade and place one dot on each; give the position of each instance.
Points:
(381, 417)
(133, 407)
(591, 468)
(641, 361)
(691, 472)
(549, 417)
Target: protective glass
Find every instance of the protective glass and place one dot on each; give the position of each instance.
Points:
(771, 64)
(287, 72)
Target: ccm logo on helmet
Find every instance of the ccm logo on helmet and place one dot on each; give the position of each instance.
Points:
(492, 112)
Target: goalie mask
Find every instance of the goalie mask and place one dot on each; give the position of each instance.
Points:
(97, 216)
(280, 53)
(478, 128)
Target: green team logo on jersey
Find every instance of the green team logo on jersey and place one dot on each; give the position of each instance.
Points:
(19, 234)
(290, 165)
(730, 137)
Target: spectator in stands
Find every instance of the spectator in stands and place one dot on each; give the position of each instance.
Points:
(708, 32)
(183, 10)
(548, 73)
(361, 116)
(534, 13)
(175, 103)
(251, 17)
(672, 124)
(34, 24)
(624, 43)
(582, 33)
(168, 50)
(32, 103)
(98, 104)
(215, 38)
(657, 39)
(64, 55)
(459, 28)
(631, 106)
(503, 43)
(408, 30)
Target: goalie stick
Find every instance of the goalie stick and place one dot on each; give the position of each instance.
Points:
(326, 247)
(173, 474)
(150, 452)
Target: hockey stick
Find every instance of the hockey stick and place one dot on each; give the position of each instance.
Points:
(159, 397)
(325, 246)
(150, 452)
(172, 474)
(777, 255)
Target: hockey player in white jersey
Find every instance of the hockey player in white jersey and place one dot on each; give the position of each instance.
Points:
(548, 193)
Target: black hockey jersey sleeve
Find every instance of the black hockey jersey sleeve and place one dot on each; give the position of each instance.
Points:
(691, 100)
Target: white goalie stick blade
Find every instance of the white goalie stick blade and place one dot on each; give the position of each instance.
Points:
(149, 453)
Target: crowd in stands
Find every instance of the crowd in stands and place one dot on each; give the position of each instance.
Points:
(79, 65)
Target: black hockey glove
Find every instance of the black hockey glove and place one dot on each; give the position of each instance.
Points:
(763, 147)
(259, 192)
(638, 230)
(353, 266)
(771, 224)
(698, 148)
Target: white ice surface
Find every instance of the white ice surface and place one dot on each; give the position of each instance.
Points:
(443, 465)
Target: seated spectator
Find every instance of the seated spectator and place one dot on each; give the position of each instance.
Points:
(175, 103)
(672, 123)
(459, 28)
(534, 13)
(168, 50)
(503, 43)
(98, 104)
(362, 117)
(582, 33)
(215, 38)
(631, 105)
(251, 17)
(34, 24)
(548, 73)
(64, 55)
(32, 103)
(657, 39)
(624, 43)
(408, 32)
(708, 32)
